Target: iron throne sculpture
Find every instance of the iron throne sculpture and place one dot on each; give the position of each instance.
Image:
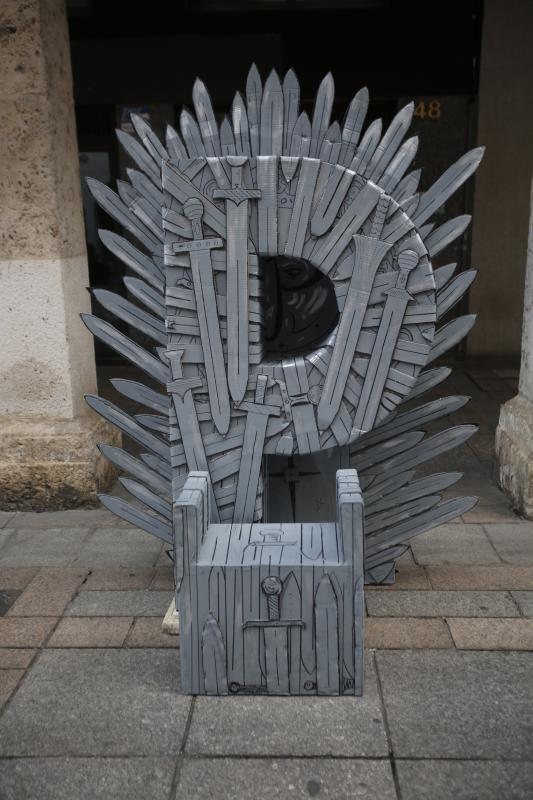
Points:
(208, 209)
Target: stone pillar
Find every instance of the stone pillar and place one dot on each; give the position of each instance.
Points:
(501, 203)
(48, 457)
(514, 435)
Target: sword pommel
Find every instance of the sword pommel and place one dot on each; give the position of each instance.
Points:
(407, 261)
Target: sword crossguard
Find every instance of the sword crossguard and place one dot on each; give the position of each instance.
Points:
(238, 192)
(181, 386)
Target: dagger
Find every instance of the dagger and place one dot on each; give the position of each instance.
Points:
(387, 335)
(206, 307)
(237, 274)
(180, 389)
(369, 253)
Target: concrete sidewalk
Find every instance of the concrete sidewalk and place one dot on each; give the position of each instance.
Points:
(90, 683)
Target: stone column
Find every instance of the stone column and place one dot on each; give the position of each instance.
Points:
(514, 435)
(501, 203)
(48, 457)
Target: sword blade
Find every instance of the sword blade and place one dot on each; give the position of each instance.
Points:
(237, 305)
(206, 308)
(380, 361)
(277, 662)
(250, 467)
(369, 254)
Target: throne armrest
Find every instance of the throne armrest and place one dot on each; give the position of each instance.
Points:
(191, 514)
(350, 517)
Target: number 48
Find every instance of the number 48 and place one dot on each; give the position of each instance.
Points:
(430, 109)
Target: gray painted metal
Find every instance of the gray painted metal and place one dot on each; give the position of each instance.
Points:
(324, 188)
(259, 589)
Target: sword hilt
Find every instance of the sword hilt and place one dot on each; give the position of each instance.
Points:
(236, 163)
(193, 208)
(407, 261)
(380, 214)
(272, 587)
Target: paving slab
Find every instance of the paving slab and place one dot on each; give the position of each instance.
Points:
(42, 548)
(391, 633)
(119, 547)
(492, 634)
(501, 576)
(5, 536)
(25, 631)
(73, 518)
(163, 578)
(7, 599)
(9, 680)
(297, 779)
(119, 578)
(16, 577)
(458, 703)
(513, 543)
(142, 603)
(15, 658)
(86, 778)
(441, 604)
(465, 780)
(5, 517)
(148, 632)
(454, 544)
(90, 632)
(290, 726)
(96, 703)
(525, 602)
(489, 514)
(40, 604)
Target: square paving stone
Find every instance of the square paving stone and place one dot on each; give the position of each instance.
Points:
(465, 780)
(120, 547)
(95, 703)
(40, 548)
(441, 604)
(458, 704)
(290, 726)
(143, 603)
(5, 517)
(454, 544)
(513, 542)
(492, 634)
(90, 632)
(297, 779)
(525, 602)
(490, 514)
(86, 778)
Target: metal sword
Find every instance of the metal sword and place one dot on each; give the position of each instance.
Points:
(237, 275)
(206, 307)
(369, 253)
(275, 630)
(387, 335)
(252, 451)
(180, 390)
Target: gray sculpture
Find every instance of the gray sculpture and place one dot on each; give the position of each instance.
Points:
(213, 210)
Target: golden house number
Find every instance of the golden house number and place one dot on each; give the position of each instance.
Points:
(429, 109)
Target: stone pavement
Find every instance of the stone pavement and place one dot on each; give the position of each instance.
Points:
(89, 683)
